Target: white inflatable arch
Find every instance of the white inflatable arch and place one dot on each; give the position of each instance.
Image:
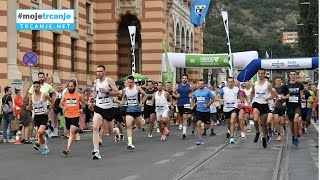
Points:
(203, 61)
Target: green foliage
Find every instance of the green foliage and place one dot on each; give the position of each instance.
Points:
(253, 25)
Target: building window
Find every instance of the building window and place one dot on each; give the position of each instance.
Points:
(88, 60)
(55, 51)
(89, 17)
(54, 4)
(73, 58)
(34, 41)
(74, 6)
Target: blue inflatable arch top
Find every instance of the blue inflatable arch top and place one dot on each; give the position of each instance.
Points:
(291, 63)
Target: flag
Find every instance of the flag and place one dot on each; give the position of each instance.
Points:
(198, 11)
(267, 55)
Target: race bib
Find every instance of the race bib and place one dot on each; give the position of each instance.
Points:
(132, 102)
(230, 105)
(148, 102)
(200, 99)
(261, 96)
(39, 110)
(71, 102)
(293, 99)
(187, 106)
(279, 97)
(160, 108)
(104, 100)
(303, 105)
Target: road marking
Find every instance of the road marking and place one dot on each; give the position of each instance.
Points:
(131, 177)
(162, 161)
(178, 154)
(191, 147)
(315, 125)
(221, 133)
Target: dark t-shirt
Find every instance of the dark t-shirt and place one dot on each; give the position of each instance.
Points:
(306, 94)
(280, 101)
(294, 93)
(6, 100)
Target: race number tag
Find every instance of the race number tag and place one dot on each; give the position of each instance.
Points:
(39, 110)
(160, 108)
(71, 102)
(132, 101)
(187, 106)
(200, 99)
(261, 96)
(104, 100)
(293, 99)
(148, 102)
(303, 105)
(230, 105)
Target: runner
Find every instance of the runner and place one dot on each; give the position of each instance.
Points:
(182, 91)
(161, 99)
(259, 99)
(229, 95)
(248, 109)
(149, 110)
(292, 93)
(171, 104)
(132, 96)
(105, 89)
(204, 99)
(305, 104)
(241, 109)
(70, 105)
(279, 110)
(270, 118)
(38, 101)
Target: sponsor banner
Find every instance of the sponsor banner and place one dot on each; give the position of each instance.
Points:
(206, 60)
(45, 19)
(167, 77)
(286, 63)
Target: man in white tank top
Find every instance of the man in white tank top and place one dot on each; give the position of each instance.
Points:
(134, 106)
(260, 95)
(104, 92)
(160, 101)
(248, 108)
(38, 101)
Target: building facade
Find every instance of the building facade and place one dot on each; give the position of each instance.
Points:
(101, 37)
(290, 36)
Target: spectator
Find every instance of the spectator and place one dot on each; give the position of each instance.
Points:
(8, 114)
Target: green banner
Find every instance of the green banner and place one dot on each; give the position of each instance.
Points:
(168, 75)
(206, 60)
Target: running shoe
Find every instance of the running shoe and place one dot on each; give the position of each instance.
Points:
(279, 138)
(66, 152)
(184, 136)
(264, 142)
(163, 137)
(243, 135)
(232, 140)
(256, 139)
(36, 146)
(200, 142)
(45, 151)
(130, 147)
(296, 142)
(95, 155)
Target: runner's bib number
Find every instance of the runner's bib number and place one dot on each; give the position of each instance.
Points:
(71, 102)
(39, 110)
(230, 105)
(261, 96)
(148, 102)
(303, 105)
(160, 108)
(200, 99)
(132, 102)
(293, 99)
(187, 106)
(104, 100)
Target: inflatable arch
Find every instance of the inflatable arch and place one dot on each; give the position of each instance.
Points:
(290, 63)
(204, 61)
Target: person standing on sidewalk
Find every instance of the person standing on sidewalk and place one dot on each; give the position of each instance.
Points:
(8, 114)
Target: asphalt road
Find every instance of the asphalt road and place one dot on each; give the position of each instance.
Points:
(158, 160)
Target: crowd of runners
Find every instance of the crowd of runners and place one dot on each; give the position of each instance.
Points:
(116, 109)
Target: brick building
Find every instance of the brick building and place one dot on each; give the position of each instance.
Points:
(101, 37)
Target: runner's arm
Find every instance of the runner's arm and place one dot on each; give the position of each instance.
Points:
(251, 95)
(152, 99)
(270, 91)
(114, 88)
(46, 96)
(144, 98)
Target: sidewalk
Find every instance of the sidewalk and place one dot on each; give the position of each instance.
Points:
(246, 160)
